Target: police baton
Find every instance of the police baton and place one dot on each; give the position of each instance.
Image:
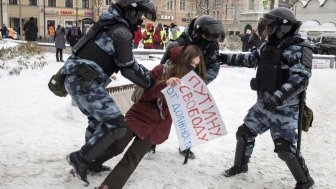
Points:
(301, 108)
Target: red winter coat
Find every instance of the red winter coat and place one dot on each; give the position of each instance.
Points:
(144, 118)
(137, 36)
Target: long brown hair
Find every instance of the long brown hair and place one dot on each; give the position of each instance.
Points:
(183, 63)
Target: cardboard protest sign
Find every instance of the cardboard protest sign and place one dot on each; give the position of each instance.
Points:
(194, 112)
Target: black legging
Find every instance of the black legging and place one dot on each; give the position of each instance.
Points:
(60, 52)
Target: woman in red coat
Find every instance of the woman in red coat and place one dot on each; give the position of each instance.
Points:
(137, 37)
(149, 120)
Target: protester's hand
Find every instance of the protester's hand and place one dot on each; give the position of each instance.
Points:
(271, 103)
(173, 81)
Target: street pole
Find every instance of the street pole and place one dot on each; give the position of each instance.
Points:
(20, 18)
(44, 21)
(175, 12)
(1, 14)
(77, 13)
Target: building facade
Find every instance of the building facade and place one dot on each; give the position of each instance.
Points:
(236, 15)
(46, 13)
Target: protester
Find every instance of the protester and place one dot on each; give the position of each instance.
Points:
(205, 32)
(284, 65)
(30, 29)
(149, 120)
(60, 42)
(244, 39)
(174, 32)
(137, 36)
(96, 56)
(51, 32)
(74, 34)
(147, 36)
(4, 31)
(254, 40)
(159, 37)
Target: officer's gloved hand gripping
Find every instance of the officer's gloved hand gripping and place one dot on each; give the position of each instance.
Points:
(271, 103)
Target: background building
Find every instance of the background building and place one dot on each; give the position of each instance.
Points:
(47, 12)
(317, 16)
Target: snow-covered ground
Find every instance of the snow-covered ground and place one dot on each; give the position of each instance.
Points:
(38, 129)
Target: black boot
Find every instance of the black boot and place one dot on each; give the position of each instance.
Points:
(306, 185)
(241, 161)
(76, 160)
(234, 170)
(191, 154)
(295, 163)
(152, 149)
(97, 168)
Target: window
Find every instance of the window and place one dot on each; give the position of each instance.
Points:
(170, 5)
(68, 3)
(85, 4)
(107, 2)
(182, 4)
(13, 2)
(32, 2)
(251, 4)
(51, 3)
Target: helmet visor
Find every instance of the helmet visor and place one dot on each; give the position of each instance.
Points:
(266, 26)
(213, 31)
(148, 10)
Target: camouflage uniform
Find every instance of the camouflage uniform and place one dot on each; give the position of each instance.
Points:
(86, 79)
(283, 121)
(284, 66)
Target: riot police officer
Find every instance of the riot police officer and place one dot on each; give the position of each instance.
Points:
(104, 50)
(284, 65)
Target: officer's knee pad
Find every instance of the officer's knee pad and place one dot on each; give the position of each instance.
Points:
(242, 132)
(117, 122)
(282, 148)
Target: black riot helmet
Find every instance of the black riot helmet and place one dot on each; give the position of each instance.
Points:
(278, 23)
(209, 27)
(133, 10)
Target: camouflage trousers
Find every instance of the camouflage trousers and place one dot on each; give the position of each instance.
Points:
(95, 102)
(282, 123)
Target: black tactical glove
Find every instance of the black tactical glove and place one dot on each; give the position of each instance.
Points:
(271, 103)
(223, 58)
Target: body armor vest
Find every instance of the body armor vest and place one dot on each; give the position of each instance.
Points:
(269, 76)
(86, 47)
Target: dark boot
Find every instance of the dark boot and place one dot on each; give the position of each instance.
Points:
(234, 170)
(241, 161)
(306, 185)
(76, 160)
(98, 168)
(295, 163)
(152, 149)
(191, 154)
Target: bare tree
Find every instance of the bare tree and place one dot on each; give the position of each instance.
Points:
(206, 5)
(271, 4)
(287, 3)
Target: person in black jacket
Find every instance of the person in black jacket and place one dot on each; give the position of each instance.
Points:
(30, 29)
(206, 32)
(74, 34)
(254, 40)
